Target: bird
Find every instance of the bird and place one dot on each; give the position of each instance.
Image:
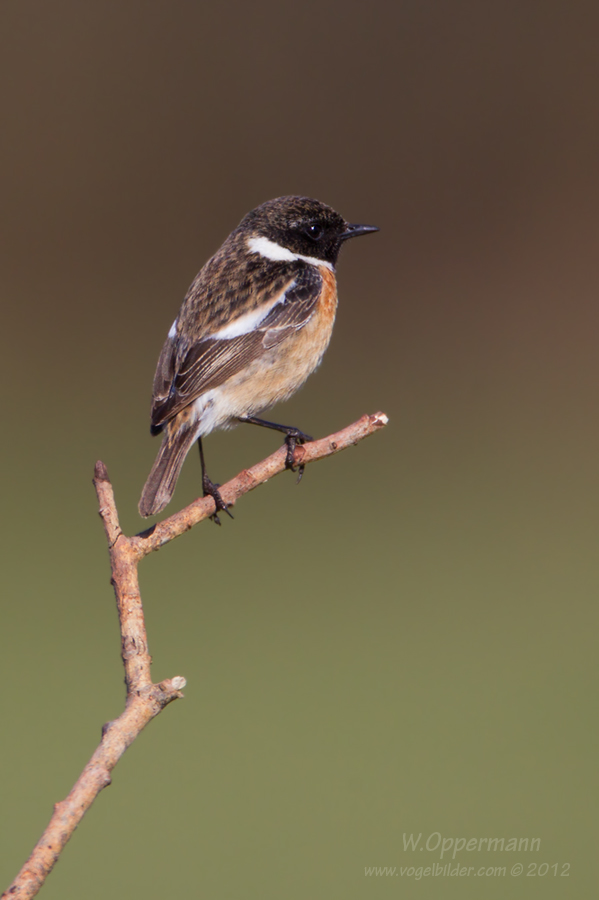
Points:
(252, 327)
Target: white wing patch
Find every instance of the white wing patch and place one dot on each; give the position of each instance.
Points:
(274, 251)
(249, 321)
(173, 330)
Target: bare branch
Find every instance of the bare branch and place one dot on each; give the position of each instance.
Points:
(180, 522)
(145, 699)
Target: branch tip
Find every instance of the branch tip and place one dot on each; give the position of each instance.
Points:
(172, 686)
(379, 419)
(101, 472)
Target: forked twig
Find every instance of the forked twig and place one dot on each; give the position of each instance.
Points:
(144, 698)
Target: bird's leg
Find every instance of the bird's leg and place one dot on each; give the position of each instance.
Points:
(212, 490)
(293, 437)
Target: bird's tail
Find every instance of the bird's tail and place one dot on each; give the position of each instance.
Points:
(160, 486)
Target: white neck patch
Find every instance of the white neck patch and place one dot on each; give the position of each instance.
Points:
(271, 250)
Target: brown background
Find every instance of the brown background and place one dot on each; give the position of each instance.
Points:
(406, 642)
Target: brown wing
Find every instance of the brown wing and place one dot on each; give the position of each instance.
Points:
(184, 373)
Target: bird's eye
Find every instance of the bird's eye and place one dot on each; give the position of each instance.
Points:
(315, 231)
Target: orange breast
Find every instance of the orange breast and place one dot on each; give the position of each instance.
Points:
(328, 300)
(276, 374)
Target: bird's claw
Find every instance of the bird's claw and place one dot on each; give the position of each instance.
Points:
(212, 490)
(293, 438)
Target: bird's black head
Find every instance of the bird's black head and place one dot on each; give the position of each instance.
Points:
(303, 226)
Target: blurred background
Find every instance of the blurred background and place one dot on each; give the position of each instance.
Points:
(406, 642)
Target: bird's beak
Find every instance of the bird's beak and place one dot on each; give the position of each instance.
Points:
(356, 230)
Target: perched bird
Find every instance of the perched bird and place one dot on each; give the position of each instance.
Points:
(254, 324)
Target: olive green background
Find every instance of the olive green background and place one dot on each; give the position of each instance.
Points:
(406, 642)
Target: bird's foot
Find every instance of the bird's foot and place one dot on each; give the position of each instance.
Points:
(212, 490)
(293, 438)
